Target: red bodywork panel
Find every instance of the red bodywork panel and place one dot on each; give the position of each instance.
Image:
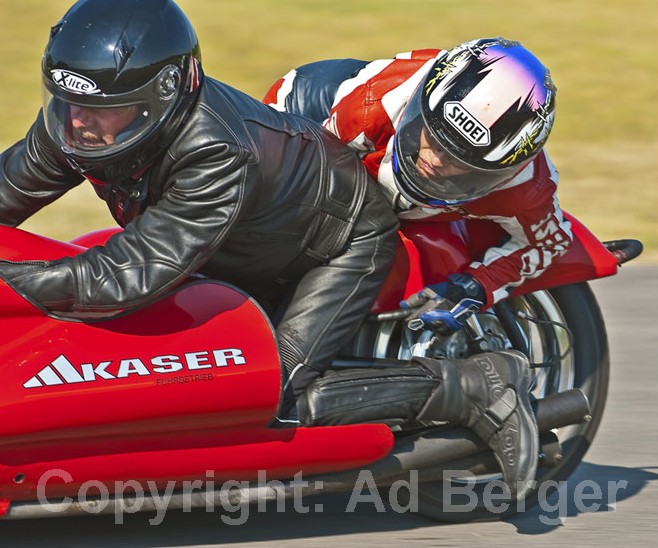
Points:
(173, 391)
(432, 250)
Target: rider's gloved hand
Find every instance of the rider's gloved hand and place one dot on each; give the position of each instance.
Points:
(454, 318)
(450, 303)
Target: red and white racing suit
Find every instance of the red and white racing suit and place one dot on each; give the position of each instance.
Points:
(362, 103)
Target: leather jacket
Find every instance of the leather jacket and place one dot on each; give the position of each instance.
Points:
(241, 194)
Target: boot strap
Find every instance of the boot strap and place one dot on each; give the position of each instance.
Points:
(496, 414)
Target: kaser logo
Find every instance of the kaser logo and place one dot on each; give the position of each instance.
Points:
(76, 83)
(62, 371)
(469, 126)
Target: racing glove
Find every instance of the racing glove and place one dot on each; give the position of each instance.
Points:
(448, 303)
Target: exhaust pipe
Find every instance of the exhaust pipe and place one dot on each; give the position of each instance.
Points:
(561, 409)
(446, 448)
(458, 447)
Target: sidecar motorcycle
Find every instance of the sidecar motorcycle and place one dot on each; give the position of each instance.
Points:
(185, 389)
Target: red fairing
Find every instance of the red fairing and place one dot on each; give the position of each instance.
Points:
(97, 237)
(240, 455)
(433, 250)
(586, 259)
(175, 391)
(195, 347)
(428, 252)
(19, 245)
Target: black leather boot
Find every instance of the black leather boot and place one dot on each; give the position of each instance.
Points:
(488, 393)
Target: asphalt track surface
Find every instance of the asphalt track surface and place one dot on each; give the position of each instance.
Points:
(610, 500)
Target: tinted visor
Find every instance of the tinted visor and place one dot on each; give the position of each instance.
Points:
(429, 172)
(98, 126)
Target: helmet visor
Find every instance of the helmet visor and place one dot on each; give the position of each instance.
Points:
(431, 174)
(95, 127)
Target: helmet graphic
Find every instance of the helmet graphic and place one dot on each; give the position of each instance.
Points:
(119, 78)
(485, 109)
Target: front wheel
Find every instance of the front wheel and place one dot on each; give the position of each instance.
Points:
(564, 336)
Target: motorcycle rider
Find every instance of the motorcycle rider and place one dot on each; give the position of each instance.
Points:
(450, 134)
(204, 179)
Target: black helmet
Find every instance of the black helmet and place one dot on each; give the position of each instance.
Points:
(134, 65)
(488, 107)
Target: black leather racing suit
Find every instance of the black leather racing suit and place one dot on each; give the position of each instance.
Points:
(244, 194)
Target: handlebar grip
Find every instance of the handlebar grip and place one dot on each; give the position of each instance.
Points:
(624, 250)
